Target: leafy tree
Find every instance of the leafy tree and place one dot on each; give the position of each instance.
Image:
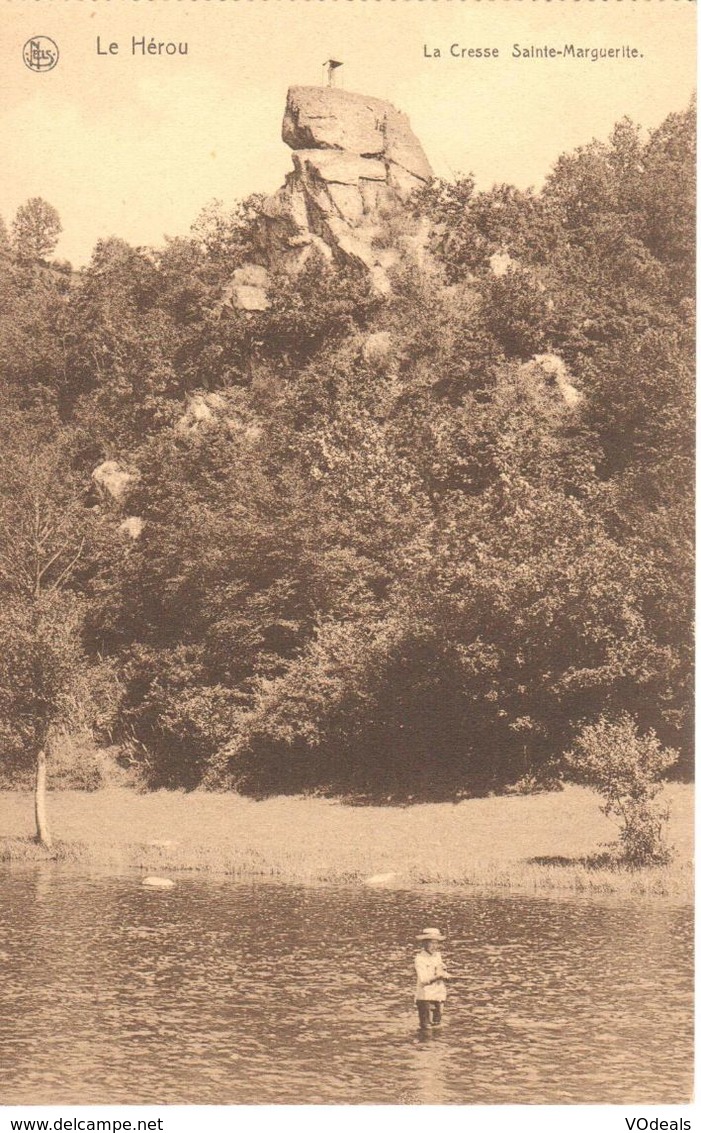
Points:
(36, 332)
(35, 230)
(515, 311)
(122, 362)
(44, 527)
(625, 767)
(209, 596)
(5, 248)
(319, 305)
(668, 198)
(229, 235)
(469, 228)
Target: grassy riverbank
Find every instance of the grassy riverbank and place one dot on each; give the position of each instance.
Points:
(546, 842)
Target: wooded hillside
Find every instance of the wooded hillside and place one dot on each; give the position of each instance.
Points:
(407, 544)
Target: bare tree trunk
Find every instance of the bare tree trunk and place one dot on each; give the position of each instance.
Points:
(43, 834)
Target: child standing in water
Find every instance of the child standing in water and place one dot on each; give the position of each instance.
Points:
(430, 974)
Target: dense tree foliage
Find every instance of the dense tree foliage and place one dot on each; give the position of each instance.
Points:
(35, 230)
(410, 545)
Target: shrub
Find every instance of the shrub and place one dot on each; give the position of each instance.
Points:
(626, 768)
(74, 763)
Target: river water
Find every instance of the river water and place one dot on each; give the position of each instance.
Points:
(217, 992)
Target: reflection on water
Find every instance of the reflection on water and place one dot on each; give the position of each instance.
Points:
(218, 993)
(428, 1078)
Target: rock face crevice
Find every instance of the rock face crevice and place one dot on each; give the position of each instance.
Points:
(355, 161)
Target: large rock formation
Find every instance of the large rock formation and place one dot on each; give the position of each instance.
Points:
(356, 161)
(113, 479)
(547, 376)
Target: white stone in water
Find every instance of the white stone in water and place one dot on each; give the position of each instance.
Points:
(380, 878)
(157, 883)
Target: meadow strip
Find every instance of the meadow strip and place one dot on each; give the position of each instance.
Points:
(542, 843)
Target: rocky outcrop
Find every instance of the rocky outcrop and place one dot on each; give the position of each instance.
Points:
(500, 263)
(217, 409)
(114, 482)
(132, 526)
(355, 161)
(248, 289)
(378, 351)
(113, 479)
(201, 409)
(326, 118)
(548, 374)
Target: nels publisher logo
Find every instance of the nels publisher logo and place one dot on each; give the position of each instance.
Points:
(40, 53)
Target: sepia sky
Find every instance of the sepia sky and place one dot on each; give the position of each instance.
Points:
(136, 146)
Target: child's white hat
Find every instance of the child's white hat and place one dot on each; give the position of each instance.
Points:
(430, 934)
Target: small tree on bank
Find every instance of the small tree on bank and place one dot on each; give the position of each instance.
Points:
(43, 531)
(626, 769)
